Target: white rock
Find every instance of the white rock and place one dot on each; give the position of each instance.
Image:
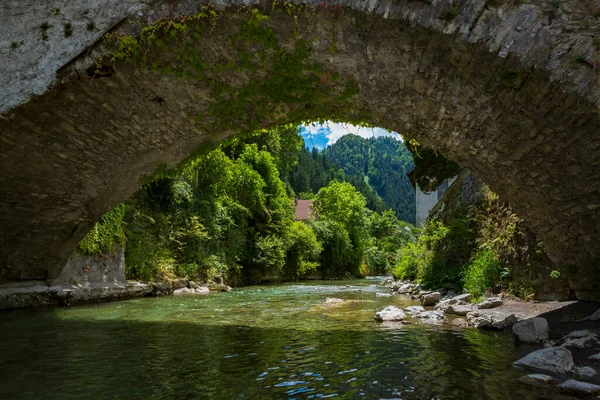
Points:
(531, 330)
(390, 313)
(491, 302)
(330, 301)
(406, 288)
(579, 388)
(585, 372)
(430, 299)
(382, 294)
(555, 360)
(536, 378)
(414, 310)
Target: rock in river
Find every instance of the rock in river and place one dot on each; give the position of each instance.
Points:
(414, 310)
(491, 302)
(555, 360)
(430, 299)
(580, 339)
(197, 290)
(531, 330)
(536, 378)
(491, 319)
(579, 388)
(390, 313)
(460, 309)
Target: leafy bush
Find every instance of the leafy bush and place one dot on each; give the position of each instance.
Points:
(482, 273)
(303, 250)
(407, 266)
(106, 235)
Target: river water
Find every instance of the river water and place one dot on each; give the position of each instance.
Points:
(261, 342)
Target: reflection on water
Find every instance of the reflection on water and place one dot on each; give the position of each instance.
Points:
(268, 342)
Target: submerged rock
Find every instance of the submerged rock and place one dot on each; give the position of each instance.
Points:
(555, 360)
(330, 301)
(197, 290)
(536, 379)
(430, 315)
(579, 388)
(430, 299)
(491, 302)
(390, 313)
(491, 319)
(382, 294)
(531, 330)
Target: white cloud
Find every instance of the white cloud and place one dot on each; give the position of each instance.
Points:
(334, 131)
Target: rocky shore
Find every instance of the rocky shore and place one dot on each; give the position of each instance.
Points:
(567, 359)
(90, 279)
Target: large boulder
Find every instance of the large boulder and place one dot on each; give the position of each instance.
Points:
(554, 360)
(531, 330)
(430, 299)
(579, 388)
(390, 313)
(491, 319)
(491, 302)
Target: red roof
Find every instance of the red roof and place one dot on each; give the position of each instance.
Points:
(304, 209)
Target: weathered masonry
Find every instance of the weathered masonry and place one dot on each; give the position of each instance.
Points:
(508, 89)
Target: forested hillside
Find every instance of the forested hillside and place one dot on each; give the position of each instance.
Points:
(315, 170)
(383, 162)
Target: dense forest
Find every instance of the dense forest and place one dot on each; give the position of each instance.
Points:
(383, 163)
(229, 213)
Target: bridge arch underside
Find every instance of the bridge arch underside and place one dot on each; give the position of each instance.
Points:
(78, 150)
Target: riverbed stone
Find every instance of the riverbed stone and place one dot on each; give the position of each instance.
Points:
(536, 379)
(580, 339)
(218, 287)
(491, 302)
(430, 299)
(332, 301)
(594, 317)
(594, 357)
(197, 290)
(390, 313)
(585, 373)
(460, 309)
(414, 310)
(531, 330)
(579, 388)
(430, 315)
(491, 319)
(554, 360)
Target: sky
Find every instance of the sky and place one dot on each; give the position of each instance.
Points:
(321, 136)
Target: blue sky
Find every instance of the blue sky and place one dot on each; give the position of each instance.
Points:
(321, 136)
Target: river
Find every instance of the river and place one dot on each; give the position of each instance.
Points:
(261, 342)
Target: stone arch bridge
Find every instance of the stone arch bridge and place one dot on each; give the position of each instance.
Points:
(95, 97)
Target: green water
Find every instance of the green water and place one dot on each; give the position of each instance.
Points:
(267, 342)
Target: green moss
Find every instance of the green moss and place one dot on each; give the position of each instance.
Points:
(44, 28)
(106, 235)
(449, 14)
